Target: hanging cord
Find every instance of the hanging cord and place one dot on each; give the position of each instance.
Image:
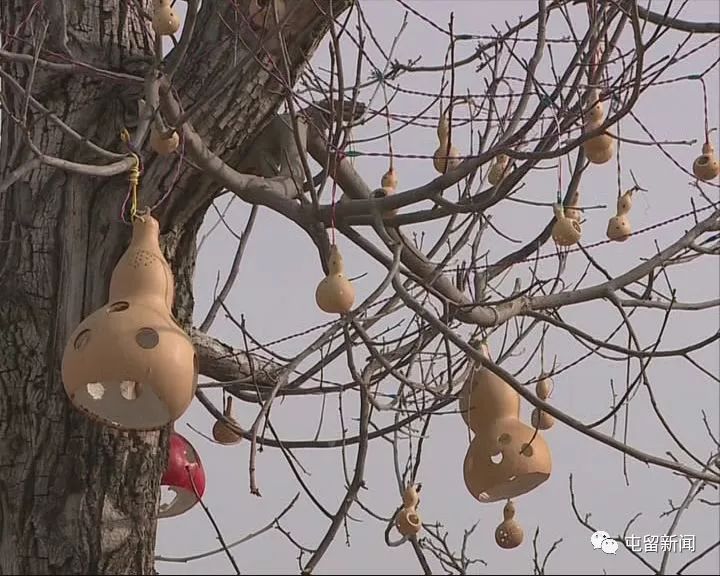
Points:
(619, 166)
(133, 180)
(705, 109)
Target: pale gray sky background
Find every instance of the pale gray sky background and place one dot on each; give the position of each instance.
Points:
(275, 292)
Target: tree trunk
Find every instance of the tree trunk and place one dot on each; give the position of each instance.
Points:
(76, 497)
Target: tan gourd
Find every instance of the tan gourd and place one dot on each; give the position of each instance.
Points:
(601, 148)
(571, 210)
(596, 111)
(408, 521)
(486, 397)
(565, 231)
(445, 158)
(706, 166)
(129, 364)
(499, 169)
(388, 183)
(539, 418)
(506, 461)
(509, 534)
(335, 294)
(163, 145)
(222, 433)
(619, 228)
(165, 20)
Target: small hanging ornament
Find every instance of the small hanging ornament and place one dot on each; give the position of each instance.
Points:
(446, 156)
(165, 20)
(388, 183)
(539, 418)
(571, 210)
(619, 228)
(129, 364)
(163, 145)
(184, 476)
(499, 170)
(335, 294)
(222, 433)
(565, 231)
(509, 534)
(598, 149)
(408, 520)
(706, 166)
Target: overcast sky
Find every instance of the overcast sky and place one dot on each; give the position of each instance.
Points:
(275, 292)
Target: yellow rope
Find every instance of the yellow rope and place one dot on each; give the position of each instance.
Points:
(133, 176)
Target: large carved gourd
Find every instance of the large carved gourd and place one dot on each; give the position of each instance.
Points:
(129, 364)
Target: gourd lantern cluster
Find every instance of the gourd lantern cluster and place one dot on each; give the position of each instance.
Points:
(506, 458)
(598, 149)
(619, 228)
(129, 365)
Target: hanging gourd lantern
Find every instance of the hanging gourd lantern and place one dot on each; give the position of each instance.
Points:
(335, 294)
(485, 396)
(509, 534)
(565, 231)
(388, 183)
(619, 228)
(499, 169)
(165, 20)
(408, 520)
(446, 156)
(571, 210)
(507, 460)
(184, 476)
(598, 149)
(539, 418)
(162, 145)
(221, 432)
(129, 364)
(706, 166)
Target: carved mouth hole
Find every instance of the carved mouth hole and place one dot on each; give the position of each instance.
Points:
(130, 390)
(95, 390)
(497, 458)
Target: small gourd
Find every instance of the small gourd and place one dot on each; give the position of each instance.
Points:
(706, 166)
(539, 418)
(598, 149)
(499, 169)
(571, 210)
(335, 294)
(163, 146)
(596, 112)
(222, 433)
(165, 20)
(445, 157)
(388, 183)
(619, 228)
(509, 534)
(565, 231)
(408, 521)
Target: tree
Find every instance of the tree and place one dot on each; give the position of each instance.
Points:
(256, 121)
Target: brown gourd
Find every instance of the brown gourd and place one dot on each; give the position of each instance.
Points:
(446, 156)
(408, 521)
(509, 534)
(706, 166)
(539, 418)
(165, 21)
(163, 145)
(598, 149)
(618, 228)
(499, 170)
(335, 294)
(571, 210)
(565, 231)
(221, 432)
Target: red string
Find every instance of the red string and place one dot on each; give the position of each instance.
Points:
(332, 212)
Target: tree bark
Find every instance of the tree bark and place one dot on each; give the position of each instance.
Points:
(75, 497)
